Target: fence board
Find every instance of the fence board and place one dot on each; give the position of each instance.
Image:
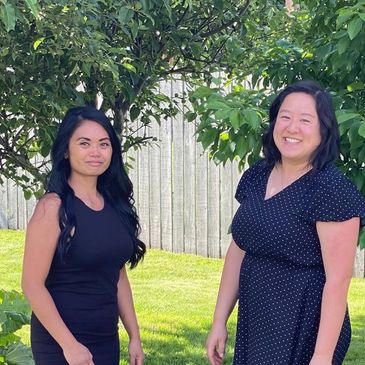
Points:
(12, 198)
(178, 177)
(189, 189)
(201, 220)
(155, 191)
(185, 202)
(166, 175)
(144, 192)
(225, 206)
(4, 220)
(213, 211)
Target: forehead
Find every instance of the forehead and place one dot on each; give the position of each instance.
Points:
(89, 129)
(300, 102)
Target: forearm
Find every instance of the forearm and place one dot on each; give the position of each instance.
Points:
(333, 309)
(126, 307)
(44, 308)
(229, 286)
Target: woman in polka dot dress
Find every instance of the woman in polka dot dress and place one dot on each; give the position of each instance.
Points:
(294, 241)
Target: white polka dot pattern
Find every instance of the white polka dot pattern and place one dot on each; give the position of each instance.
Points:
(282, 274)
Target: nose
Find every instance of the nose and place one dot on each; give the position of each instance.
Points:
(95, 150)
(293, 126)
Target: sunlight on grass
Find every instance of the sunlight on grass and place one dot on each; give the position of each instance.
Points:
(174, 297)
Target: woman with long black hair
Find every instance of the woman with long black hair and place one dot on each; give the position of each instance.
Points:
(83, 232)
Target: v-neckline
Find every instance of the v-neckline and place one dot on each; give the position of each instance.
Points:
(266, 180)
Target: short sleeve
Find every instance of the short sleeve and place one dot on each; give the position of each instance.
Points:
(334, 198)
(249, 177)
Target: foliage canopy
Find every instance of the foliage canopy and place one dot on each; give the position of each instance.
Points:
(55, 55)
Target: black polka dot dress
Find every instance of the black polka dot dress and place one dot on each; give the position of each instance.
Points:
(282, 274)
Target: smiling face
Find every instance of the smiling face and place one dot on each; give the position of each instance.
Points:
(297, 128)
(89, 150)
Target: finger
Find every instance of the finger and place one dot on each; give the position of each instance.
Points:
(212, 357)
(221, 348)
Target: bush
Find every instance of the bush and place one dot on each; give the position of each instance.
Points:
(14, 313)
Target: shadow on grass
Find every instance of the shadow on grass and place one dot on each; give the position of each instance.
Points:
(185, 345)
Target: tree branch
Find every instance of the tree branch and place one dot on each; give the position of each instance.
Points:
(229, 23)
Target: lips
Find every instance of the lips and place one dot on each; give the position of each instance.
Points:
(291, 140)
(94, 163)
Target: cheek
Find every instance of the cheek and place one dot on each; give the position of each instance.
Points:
(276, 132)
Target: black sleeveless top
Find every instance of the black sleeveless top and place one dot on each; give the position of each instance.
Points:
(84, 286)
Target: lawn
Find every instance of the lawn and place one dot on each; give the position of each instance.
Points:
(174, 297)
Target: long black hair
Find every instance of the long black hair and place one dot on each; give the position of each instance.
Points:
(329, 147)
(114, 184)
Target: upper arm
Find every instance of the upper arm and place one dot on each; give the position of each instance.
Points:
(41, 240)
(338, 245)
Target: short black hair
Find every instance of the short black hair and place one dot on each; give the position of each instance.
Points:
(329, 149)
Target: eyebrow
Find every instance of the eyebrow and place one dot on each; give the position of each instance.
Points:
(288, 111)
(88, 139)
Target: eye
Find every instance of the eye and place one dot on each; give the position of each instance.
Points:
(84, 143)
(105, 144)
(285, 117)
(306, 121)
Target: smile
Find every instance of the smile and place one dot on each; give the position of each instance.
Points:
(291, 140)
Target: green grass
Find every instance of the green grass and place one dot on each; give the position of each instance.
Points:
(174, 298)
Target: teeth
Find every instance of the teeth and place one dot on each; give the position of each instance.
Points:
(292, 140)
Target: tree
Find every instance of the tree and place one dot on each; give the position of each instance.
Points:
(58, 54)
(320, 40)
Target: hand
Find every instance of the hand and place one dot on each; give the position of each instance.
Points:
(78, 354)
(216, 344)
(136, 355)
(321, 360)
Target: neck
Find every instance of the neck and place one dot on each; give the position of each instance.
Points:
(294, 168)
(85, 187)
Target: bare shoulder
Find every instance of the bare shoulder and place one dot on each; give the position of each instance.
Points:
(47, 207)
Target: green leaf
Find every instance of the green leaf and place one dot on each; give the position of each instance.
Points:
(355, 86)
(236, 119)
(208, 137)
(8, 16)
(343, 116)
(134, 112)
(222, 113)
(125, 14)
(134, 30)
(202, 92)
(361, 156)
(129, 67)
(342, 45)
(216, 104)
(362, 16)
(18, 354)
(4, 51)
(354, 27)
(190, 116)
(342, 19)
(38, 42)
(224, 136)
(252, 119)
(362, 239)
(361, 130)
(34, 7)
(242, 147)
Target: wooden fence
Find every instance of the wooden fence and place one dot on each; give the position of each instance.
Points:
(185, 202)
